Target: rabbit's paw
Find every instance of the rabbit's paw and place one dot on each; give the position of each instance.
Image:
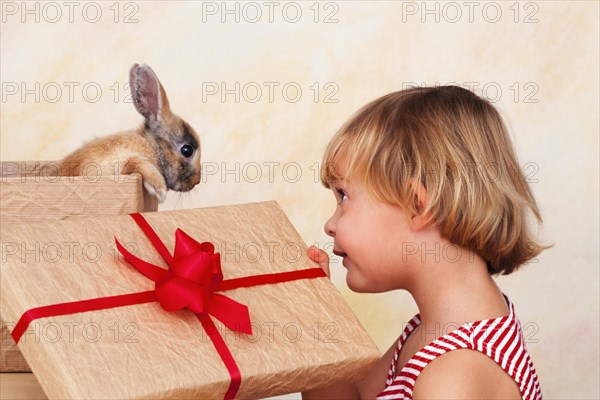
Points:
(156, 189)
(153, 180)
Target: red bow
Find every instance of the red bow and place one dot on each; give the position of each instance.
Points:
(191, 280)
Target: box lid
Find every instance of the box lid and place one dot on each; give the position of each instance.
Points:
(304, 334)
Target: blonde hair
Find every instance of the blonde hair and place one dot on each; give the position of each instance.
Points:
(456, 145)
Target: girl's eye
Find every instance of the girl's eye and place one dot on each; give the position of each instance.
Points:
(187, 150)
(341, 195)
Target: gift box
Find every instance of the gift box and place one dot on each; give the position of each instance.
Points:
(220, 302)
(31, 191)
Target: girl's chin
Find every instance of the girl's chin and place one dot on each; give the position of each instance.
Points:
(360, 285)
(356, 285)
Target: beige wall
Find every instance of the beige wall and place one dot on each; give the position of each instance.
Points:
(542, 74)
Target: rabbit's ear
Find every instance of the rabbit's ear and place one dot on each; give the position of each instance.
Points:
(147, 93)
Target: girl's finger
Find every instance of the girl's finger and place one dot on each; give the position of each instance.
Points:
(320, 257)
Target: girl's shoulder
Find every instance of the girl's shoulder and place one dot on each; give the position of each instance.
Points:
(465, 373)
(481, 359)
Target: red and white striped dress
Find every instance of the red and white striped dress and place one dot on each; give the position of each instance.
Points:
(500, 338)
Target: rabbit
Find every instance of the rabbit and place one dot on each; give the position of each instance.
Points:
(165, 150)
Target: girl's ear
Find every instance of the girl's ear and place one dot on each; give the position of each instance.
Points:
(148, 95)
(418, 221)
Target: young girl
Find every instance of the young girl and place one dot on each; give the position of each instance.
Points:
(431, 200)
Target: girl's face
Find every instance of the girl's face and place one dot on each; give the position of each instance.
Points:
(375, 240)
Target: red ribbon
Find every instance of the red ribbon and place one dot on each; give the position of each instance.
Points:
(191, 280)
(193, 277)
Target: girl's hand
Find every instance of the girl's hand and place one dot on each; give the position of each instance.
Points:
(320, 257)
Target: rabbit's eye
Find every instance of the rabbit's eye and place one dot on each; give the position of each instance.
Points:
(187, 150)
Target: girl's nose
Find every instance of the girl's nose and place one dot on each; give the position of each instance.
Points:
(330, 226)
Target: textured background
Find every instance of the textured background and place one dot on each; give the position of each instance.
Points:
(64, 70)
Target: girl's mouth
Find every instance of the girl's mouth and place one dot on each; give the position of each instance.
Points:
(339, 253)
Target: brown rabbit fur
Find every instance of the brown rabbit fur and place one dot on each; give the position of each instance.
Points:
(165, 150)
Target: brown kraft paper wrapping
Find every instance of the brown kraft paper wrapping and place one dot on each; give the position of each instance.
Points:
(30, 192)
(304, 334)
